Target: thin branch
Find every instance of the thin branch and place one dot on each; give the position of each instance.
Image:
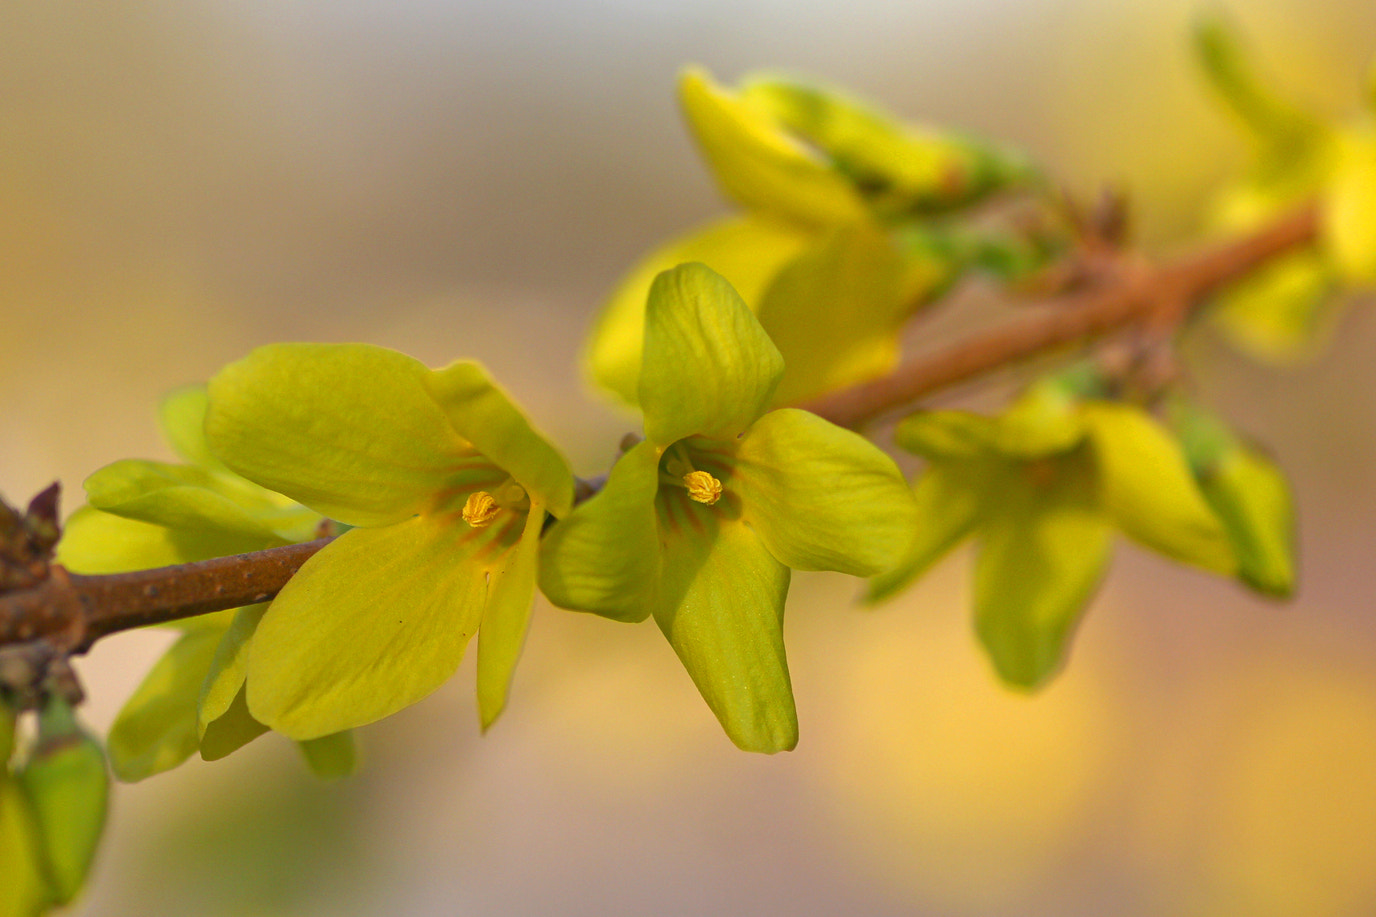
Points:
(73, 611)
(1134, 296)
(70, 612)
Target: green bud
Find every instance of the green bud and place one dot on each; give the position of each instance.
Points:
(66, 783)
(24, 890)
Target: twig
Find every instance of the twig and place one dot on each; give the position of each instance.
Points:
(1134, 296)
(71, 612)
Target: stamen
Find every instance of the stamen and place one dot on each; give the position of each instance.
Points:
(480, 509)
(702, 487)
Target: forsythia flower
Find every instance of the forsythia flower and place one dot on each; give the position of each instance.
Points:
(447, 487)
(699, 524)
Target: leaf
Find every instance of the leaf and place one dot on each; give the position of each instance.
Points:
(899, 169)
(948, 435)
(485, 416)
(182, 418)
(1043, 548)
(759, 165)
(331, 757)
(747, 251)
(183, 497)
(24, 889)
(224, 680)
(1250, 494)
(350, 430)
(709, 368)
(604, 558)
(820, 497)
(1146, 486)
(231, 730)
(720, 602)
(951, 500)
(156, 729)
(375, 621)
(836, 312)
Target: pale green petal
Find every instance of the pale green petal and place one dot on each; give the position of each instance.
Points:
(747, 250)
(231, 730)
(350, 430)
(1349, 209)
(1042, 551)
(510, 592)
(24, 890)
(709, 367)
(1283, 311)
(182, 418)
(604, 558)
(183, 497)
(721, 604)
(225, 679)
(374, 622)
(820, 497)
(1147, 488)
(156, 729)
(483, 414)
(952, 498)
(331, 757)
(948, 435)
(836, 311)
(758, 164)
(1250, 494)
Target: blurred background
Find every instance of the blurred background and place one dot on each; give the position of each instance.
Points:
(180, 182)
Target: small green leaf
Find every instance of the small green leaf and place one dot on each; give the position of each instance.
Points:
(375, 621)
(231, 730)
(510, 591)
(951, 500)
(183, 497)
(350, 430)
(836, 312)
(720, 602)
(1281, 128)
(484, 415)
(1250, 494)
(1147, 488)
(331, 757)
(899, 169)
(604, 558)
(182, 418)
(748, 251)
(224, 681)
(709, 368)
(820, 497)
(1349, 209)
(1042, 551)
(24, 890)
(758, 164)
(948, 435)
(156, 729)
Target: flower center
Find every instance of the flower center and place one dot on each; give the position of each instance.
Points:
(702, 487)
(480, 509)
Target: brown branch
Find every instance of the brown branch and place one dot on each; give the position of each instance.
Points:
(72, 611)
(1132, 296)
(69, 612)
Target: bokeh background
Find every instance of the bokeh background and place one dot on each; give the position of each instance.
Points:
(181, 181)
